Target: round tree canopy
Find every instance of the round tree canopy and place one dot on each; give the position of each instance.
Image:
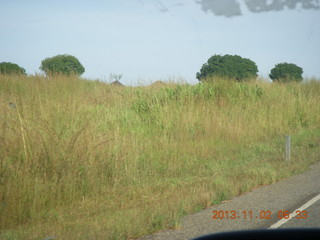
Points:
(62, 64)
(11, 68)
(228, 66)
(286, 72)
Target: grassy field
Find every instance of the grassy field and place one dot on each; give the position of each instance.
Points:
(85, 160)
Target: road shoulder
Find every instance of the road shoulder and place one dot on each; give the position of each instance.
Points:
(251, 208)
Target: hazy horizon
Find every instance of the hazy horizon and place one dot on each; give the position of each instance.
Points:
(146, 41)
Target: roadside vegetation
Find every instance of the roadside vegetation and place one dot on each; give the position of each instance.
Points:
(86, 160)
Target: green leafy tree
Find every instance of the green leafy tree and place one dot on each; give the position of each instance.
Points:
(11, 68)
(228, 66)
(62, 64)
(286, 72)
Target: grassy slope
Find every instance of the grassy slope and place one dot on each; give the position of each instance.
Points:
(85, 160)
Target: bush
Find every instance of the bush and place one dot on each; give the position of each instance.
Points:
(286, 72)
(11, 68)
(228, 66)
(62, 64)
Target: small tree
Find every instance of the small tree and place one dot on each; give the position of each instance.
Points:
(228, 66)
(11, 68)
(62, 64)
(286, 72)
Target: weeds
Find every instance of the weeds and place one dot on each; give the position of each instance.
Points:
(80, 160)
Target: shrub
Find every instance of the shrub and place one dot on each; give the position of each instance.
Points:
(228, 66)
(286, 72)
(11, 68)
(62, 64)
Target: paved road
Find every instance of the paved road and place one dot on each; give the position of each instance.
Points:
(258, 209)
(312, 221)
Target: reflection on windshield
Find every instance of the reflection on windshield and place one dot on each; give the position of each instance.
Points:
(231, 8)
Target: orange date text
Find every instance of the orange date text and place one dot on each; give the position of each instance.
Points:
(262, 214)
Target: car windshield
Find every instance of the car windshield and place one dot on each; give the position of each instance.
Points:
(158, 119)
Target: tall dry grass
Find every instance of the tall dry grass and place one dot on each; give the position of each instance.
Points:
(86, 160)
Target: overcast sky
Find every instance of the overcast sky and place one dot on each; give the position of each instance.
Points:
(149, 40)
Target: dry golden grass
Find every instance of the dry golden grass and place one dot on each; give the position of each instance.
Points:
(86, 160)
